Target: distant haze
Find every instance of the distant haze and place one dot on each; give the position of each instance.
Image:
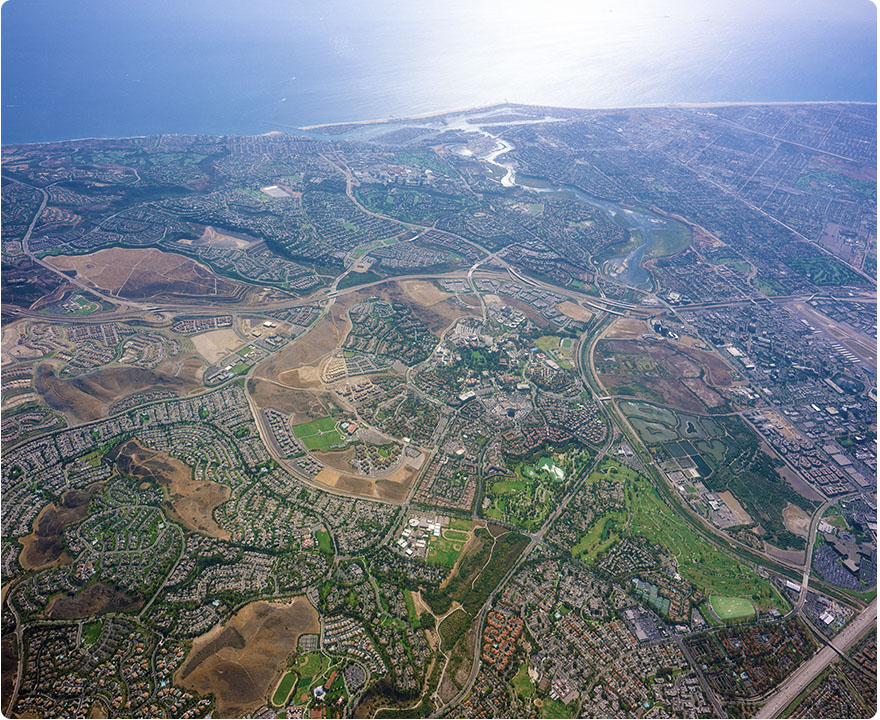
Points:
(76, 68)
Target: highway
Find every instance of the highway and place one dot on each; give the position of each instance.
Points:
(811, 669)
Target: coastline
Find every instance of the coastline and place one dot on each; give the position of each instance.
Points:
(422, 116)
(609, 108)
(462, 111)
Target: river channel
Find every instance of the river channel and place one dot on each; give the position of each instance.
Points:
(649, 233)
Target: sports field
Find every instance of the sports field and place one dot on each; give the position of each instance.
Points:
(731, 608)
(320, 434)
(284, 688)
(446, 549)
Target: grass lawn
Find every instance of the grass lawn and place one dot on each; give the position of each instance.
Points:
(321, 425)
(309, 665)
(241, 368)
(555, 709)
(324, 543)
(741, 266)
(284, 688)
(458, 536)
(301, 694)
(589, 289)
(411, 614)
(522, 683)
(90, 632)
(768, 286)
(319, 434)
(84, 307)
(731, 608)
(504, 487)
(495, 513)
(459, 524)
(547, 343)
(833, 517)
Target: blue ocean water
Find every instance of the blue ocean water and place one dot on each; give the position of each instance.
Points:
(109, 68)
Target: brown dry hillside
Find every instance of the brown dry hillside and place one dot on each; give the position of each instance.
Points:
(94, 599)
(241, 661)
(45, 546)
(88, 397)
(142, 273)
(189, 501)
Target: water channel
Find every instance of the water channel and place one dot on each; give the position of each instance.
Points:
(649, 233)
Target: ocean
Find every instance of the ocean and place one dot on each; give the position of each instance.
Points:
(111, 68)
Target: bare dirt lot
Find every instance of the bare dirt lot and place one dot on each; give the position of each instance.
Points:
(13, 343)
(301, 405)
(423, 292)
(216, 344)
(305, 376)
(795, 557)
(394, 488)
(188, 501)
(624, 328)
(220, 239)
(98, 710)
(311, 347)
(142, 273)
(88, 397)
(240, 662)
(796, 520)
(574, 311)
(44, 546)
(730, 500)
(338, 459)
